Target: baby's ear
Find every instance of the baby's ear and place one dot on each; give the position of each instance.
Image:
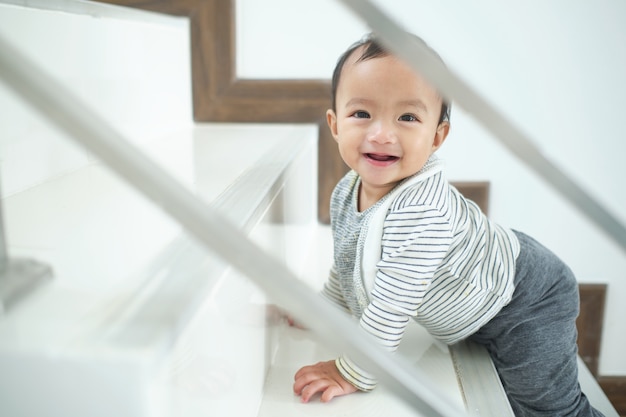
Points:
(331, 119)
(440, 135)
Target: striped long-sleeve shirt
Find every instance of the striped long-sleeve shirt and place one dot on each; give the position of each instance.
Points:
(422, 252)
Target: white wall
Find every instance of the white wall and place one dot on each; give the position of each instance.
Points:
(132, 68)
(554, 68)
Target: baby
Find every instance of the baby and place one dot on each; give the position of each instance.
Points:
(408, 245)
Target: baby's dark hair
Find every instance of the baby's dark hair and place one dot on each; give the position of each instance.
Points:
(374, 49)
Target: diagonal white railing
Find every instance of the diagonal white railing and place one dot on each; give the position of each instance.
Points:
(75, 118)
(454, 88)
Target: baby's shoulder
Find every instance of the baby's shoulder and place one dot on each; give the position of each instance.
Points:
(431, 192)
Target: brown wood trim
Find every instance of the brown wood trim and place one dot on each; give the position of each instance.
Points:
(589, 323)
(477, 191)
(615, 389)
(219, 96)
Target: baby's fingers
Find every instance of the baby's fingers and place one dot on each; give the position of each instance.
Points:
(304, 377)
(319, 385)
(331, 392)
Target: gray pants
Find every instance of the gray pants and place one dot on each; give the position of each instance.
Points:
(532, 341)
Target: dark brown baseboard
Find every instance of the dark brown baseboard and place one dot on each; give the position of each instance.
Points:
(615, 389)
(590, 322)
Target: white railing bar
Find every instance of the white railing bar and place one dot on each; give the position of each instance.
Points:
(454, 88)
(76, 118)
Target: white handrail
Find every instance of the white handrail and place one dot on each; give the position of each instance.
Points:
(454, 88)
(77, 119)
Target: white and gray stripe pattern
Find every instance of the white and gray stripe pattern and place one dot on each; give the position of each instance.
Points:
(443, 263)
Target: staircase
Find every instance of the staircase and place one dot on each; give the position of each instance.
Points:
(139, 319)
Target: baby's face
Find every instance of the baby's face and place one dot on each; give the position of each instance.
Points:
(386, 122)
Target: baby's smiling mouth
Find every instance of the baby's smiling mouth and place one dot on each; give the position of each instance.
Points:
(379, 157)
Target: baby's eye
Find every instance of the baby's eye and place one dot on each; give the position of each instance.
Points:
(408, 118)
(360, 114)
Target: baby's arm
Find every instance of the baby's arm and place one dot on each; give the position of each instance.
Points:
(404, 274)
(388, 326)
(343, 376)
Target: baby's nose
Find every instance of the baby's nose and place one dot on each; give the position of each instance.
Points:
(382, 132)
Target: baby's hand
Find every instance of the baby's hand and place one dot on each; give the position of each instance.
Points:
(276, 314)
(322, 377)
(294, 323)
